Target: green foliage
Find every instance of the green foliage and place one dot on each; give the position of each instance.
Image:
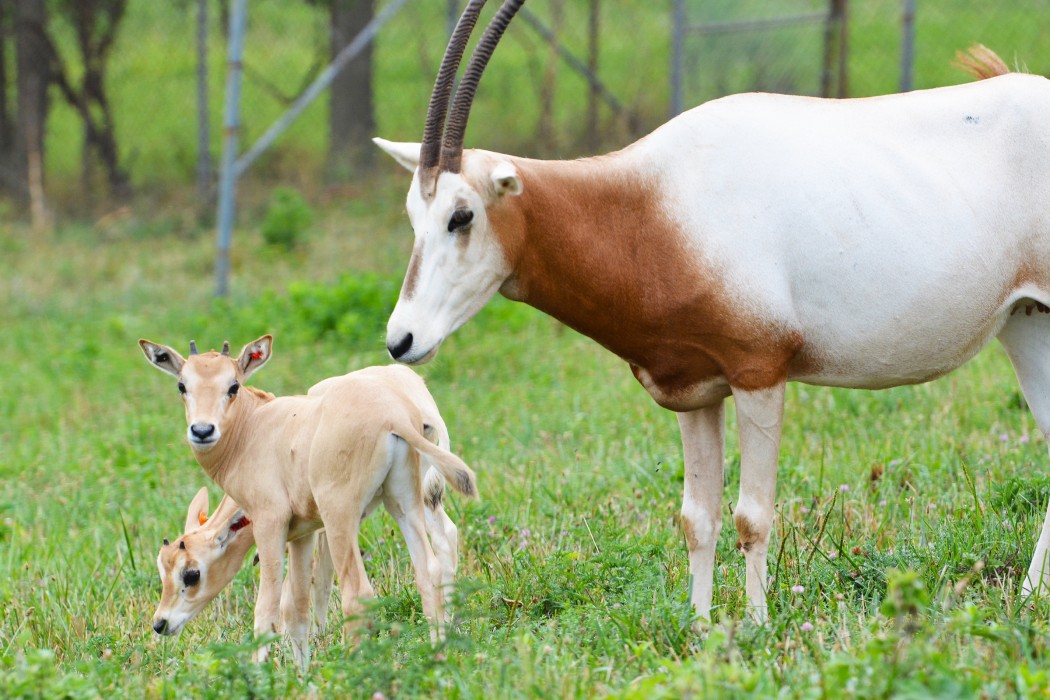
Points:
(287, 218)
(905, 518)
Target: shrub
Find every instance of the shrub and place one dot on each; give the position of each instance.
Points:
(287, 218)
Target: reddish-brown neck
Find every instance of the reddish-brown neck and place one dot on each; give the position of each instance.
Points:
(592, 245)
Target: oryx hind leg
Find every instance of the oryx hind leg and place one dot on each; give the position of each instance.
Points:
(1026, 338)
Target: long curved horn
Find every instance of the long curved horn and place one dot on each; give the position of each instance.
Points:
(193, 347)
(452, 145)
(430, 148)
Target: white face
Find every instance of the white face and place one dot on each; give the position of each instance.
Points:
(185, 589)
(209, 384)
(457, 263)
(196, 567)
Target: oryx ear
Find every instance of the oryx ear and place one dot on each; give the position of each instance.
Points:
(233, 528)
(407, 154)
(255, 354)
(506, 180)
(162, 357)
(198, 506)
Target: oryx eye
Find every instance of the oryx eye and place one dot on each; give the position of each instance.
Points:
(182, 388)
(191, 577)
(461, 218)
(233, 389)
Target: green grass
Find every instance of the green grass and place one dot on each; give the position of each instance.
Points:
(152, 74)
(573, 575)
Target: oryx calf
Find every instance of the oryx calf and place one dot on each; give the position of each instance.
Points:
(325, 460)
(205, 558)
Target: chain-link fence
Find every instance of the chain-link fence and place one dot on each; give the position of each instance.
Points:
(845, 48)
(536, 98)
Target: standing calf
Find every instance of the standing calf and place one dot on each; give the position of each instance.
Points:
(325, 460)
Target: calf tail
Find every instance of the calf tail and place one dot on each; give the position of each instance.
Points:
(449, 465)
(980, 62)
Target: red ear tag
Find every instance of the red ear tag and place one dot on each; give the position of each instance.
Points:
(202, 517)
(256, 355)
(243, 522)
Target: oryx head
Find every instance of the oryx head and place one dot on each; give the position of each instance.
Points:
(457, 262)
(201, 561)
(209, 383)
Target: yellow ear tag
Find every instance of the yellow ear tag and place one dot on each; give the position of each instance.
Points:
(202, 517)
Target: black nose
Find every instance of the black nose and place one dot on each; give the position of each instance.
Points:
(397, 351)
(159, 626)
(202, 431)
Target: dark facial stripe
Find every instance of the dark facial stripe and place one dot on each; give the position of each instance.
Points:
(412, 276)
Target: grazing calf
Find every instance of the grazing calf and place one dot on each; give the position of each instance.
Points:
(209, 553)
(752, 241)
(325, 460)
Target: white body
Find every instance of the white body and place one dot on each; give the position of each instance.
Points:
(756, 240)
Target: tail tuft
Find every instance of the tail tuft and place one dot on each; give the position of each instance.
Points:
(465, 483)
(980, 62)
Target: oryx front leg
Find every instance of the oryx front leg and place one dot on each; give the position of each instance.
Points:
(703, 443)
(296, 611)
(760, 416)
(269, 541)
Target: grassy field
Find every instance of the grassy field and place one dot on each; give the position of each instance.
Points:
(152, 74)
(905, 518)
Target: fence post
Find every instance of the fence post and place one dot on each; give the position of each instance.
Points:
(592, 66)
(203, 132)
(677, 55)
(907, 44)
(231, 125)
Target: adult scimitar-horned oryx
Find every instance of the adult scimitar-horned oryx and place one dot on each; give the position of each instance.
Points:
(752, 241)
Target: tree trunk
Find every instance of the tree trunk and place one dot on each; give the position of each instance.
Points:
(32, 60)
(7, 123)
(95, 23)
(351, 122)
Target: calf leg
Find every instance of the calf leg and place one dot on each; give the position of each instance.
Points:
(403, 498)
(444, 537)
(703, 442)
(354, 586)
(760, 416)
(297, 612)
(1027, 342)
(269, 541)
(321, 592)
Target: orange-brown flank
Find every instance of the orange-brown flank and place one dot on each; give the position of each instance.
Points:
(600, 254)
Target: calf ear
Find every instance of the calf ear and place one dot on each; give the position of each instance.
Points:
(162, 357)
(255, 354)
(198, 507)
(235, 527)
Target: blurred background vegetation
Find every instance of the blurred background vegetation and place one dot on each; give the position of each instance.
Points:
(102, 94)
